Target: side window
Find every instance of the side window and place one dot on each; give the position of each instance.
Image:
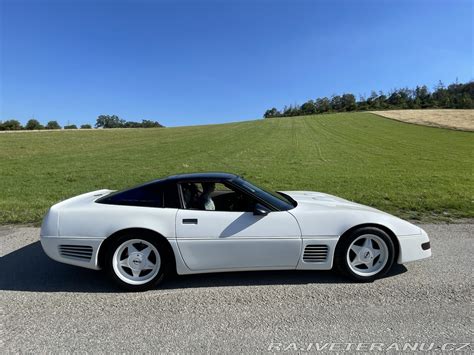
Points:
(171, 196)
(144, 196)
(210, 196)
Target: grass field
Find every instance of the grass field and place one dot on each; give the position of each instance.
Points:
(411, 171)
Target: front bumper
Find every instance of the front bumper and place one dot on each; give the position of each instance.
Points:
(414, 247)
(76, 251)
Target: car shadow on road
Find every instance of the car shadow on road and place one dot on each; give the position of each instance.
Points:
(29, 269)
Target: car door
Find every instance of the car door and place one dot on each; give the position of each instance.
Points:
(233, 240)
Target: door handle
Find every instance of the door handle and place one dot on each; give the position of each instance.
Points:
(190, 221)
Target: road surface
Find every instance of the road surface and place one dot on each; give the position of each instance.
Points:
(48, 306)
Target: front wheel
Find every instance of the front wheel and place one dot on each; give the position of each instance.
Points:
(135, 262)
(366, 254)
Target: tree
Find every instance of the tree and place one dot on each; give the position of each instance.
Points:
(336, 103)
(291, 110)
(361, 104)
(349, 102)
(106, 121)
(464, 101)
(10, 125)
(131, 124)
(422, 97)
(441, 97)
(53, 125)
(397, 99)
(273, 112)
(33, 124)
(86, 126)
(382, 100)
(323, 105)
(461, 95)
(71, 126)
(308, 108)
(150, 124)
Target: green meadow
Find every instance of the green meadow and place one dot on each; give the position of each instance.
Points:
(411, 171)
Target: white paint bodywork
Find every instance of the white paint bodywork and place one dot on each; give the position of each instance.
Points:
(226, 241)
(238, 240)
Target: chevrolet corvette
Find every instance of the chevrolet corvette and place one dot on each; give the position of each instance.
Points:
(219, 222)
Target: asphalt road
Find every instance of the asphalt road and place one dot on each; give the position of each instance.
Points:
(47, 306)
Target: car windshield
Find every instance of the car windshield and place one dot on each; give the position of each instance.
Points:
(276, 199)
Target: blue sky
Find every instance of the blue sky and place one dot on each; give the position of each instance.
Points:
(195, 62)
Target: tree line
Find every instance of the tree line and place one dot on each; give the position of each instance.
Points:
(103, 121)
(456, 96)
(113, 121)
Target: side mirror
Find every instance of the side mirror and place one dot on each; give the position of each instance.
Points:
(260, 210)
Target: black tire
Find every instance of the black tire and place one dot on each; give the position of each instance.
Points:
(121, 280)
(341, 254)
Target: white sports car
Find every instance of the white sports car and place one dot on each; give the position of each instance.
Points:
(213, 222)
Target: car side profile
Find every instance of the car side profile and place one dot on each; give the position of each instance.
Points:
(218, 222)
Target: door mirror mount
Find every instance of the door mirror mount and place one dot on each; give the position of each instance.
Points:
(260, 210)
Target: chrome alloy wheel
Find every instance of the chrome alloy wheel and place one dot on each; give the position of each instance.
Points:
(367, 255)
(136, 261)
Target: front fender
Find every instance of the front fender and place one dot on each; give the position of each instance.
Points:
(337, 222)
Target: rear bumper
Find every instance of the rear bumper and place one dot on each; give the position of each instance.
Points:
(72, 250)
(414, 247)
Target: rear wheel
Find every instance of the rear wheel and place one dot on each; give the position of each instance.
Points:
(366, 254)
(136, 263)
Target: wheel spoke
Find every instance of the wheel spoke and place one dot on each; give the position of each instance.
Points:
(131, 249)
(124, 262)
(356, 249)
(356, 262)
(375, 253)
(146, 252)
(368, 243)
(149, 265)
(136, 273)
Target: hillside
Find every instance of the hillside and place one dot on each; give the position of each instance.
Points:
(409, 170)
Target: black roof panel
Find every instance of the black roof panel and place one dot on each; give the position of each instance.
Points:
(202, 176)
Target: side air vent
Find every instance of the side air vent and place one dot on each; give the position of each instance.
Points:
(80, 252)
(315, 253)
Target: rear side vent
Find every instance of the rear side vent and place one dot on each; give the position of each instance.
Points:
(81, 252)
(315, 253)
